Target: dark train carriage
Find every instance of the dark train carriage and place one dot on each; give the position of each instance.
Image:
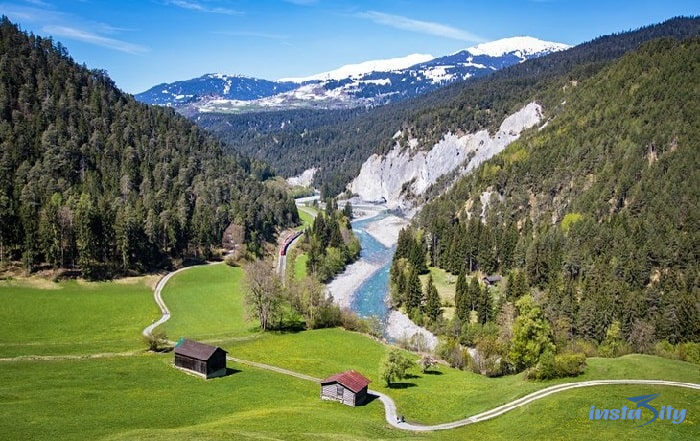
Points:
(201, 359)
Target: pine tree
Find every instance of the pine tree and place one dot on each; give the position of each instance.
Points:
(432, 300)
(485, 308)
(461, 299)
(473, 297)
(414, 291)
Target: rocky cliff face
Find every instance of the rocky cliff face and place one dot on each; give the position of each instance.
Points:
(405, 172)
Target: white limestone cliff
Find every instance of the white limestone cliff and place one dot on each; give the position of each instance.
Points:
(385, 177)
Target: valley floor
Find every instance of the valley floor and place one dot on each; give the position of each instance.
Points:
(138, 395)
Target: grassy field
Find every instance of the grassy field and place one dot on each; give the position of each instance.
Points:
(300, 266)
(307, 215)
(206, 303)
(445, 284)
(144, 397)
(445, 395)
(46, 318)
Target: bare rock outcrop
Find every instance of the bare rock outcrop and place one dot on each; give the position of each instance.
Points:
(404, 172)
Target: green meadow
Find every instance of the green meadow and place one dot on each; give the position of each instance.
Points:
(47, 318)
(206, 303)
(306, 215)
(143, 397)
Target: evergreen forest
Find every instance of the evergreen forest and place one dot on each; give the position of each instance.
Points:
(92, 180)
(330, 243)
(593, 221)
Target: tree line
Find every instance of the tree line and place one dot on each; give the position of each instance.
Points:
(330, 243)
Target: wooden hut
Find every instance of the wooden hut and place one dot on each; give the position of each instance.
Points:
(348, 387)
(492, 280)
(201, 359)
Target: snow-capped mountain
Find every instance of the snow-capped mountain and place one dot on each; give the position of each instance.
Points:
(523, 47)
(364, 84)
(359, 69)
(218, 86)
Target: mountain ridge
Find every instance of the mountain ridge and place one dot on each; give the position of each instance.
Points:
(369, 83)
(293, 141)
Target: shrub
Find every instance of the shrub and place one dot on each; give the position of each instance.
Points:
(570, 364)
(351, 321)
(157, 341)
(552, 366)
(692, 352)
(452, 352)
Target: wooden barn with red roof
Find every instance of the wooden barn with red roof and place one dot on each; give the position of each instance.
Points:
(348, 387)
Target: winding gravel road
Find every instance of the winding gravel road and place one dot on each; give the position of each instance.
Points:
(390, 411)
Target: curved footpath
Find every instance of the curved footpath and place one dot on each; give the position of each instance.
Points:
(390, 412)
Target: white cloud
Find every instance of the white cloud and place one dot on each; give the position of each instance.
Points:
(92, 38)
(200, 7)
(423, 27)
(39, 3)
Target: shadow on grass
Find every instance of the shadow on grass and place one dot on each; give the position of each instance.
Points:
(402, 385)
(370, 398)
(231, 371)
(433, 373)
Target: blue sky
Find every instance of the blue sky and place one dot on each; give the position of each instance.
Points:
(141, 43)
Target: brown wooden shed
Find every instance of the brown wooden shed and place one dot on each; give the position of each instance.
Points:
(348, 387)
(201, 359)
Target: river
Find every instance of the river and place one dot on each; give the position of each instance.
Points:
(370, 297)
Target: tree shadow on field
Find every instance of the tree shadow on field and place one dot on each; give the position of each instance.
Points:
(402, 385)
(433, 373)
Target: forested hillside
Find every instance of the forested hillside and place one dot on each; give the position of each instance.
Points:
(90, 178)
(340, 145)
(596, 215)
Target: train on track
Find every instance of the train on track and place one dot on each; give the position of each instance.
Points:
(288, 241)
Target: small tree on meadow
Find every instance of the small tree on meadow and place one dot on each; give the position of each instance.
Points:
(394, 366)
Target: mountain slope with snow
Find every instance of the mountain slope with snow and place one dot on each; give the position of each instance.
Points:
(367, 84)
(525, 46)
(364, 68)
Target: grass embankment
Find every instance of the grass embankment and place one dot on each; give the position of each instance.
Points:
(143, 397)
(206, 303)
(306, 215)
(40, 317)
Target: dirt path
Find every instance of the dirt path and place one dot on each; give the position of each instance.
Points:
(71, 357)
(392, 416)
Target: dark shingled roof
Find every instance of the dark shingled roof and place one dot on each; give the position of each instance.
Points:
(350, 379)
(492, 279)
(195, 349)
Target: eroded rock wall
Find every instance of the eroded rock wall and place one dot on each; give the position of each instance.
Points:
(403, 171)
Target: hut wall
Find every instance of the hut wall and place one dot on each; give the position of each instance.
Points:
(192, 364)
(331, 392)
(217, 364)
(338, 392)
